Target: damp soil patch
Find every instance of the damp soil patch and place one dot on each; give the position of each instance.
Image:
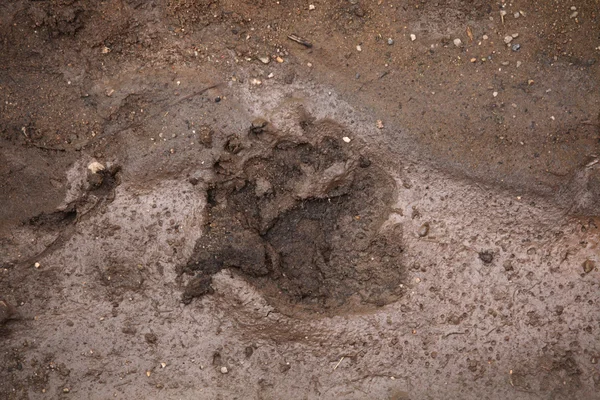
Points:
(303, 218)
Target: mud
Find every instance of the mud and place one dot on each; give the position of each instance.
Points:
(304, 216)
(276, 220)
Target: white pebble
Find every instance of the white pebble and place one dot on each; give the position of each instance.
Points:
(224, 370)
(311, 7)
(495, 94)
(358, 48)
(346, 139)
(95, 167)
(413, 37)
(457, 42)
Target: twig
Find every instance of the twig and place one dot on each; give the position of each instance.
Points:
(453, 333)
(300, 40)
(338, 363)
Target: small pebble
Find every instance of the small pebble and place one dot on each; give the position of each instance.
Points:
(574, 14)
(486, 256)
(413, 37)
(424, 230)
(457, 42)
(390, 41)
(519, 64)
(495, 94)
(516, 47)
(217, 99)
(379, 124)
(515, 35)
(264, 60)
(508, 39)
(279, 59)
(224, 370)
(588, 266)
(573, 8)
(485, 37)
(346, 139)
(95, 167)
(311, 7)
(358, 48)
(505, 63)
(516, 15)
(37, 265)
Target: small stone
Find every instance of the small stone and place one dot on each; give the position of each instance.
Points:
(516, 15)
(588, 266)
(424, 230)
(358, 48)
(473, 60)
(574, 14)
(224, 370)
(105, 50)
(95, 167)
(485, 37)
(163, 365)
(508, 39)
(218, 99)
(255, 82)
(457, 42)
(486, 256)
(505, 63)
(271, 75)
(346, 139)
(413, 37)
(311, 7)
(390, 41)
(516, 47)
(573, 8)
(514, 35)
(264, 59)
(37, 265)
(66, 390)
(495, 94)
(519, 64)
(379, 124)
(279, 59)
(151, 338)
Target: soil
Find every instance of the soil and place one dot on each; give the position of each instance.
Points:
(195, 205)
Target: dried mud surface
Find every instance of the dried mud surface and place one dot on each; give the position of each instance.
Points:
(195, 206)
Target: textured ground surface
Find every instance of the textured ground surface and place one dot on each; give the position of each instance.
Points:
(364, 218)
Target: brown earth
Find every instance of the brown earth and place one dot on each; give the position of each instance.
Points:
(196, 206)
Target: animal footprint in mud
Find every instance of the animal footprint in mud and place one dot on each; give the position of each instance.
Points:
(301, 218)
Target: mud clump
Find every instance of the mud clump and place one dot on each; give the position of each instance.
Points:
(303, 218)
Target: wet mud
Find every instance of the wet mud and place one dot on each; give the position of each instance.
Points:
(193, 205)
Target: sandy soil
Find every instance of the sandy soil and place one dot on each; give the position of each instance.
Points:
(401, 204)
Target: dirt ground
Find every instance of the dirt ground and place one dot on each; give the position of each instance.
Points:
(401, 201)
